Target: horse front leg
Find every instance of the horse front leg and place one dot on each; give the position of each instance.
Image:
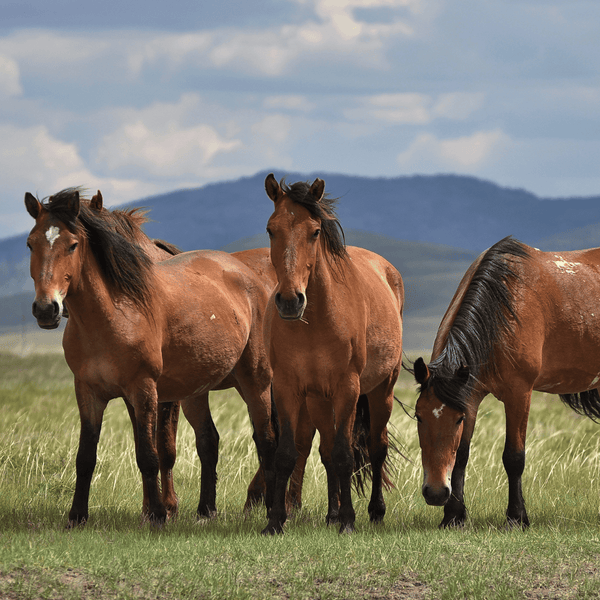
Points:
(513, 458)
(144, 399)
(285, 461)
(197, 412)
(342, 454)
(91, 411)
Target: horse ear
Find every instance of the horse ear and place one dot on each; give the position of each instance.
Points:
(272, 188)
(96, 202)
(421, 371)
(317, 189)
(32, 204)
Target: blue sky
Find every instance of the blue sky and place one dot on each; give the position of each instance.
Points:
(138, 98)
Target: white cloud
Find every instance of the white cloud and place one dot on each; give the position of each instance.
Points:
(428, 154)
(166, 140)
(290, 102)
(10, 79)
(416, 109)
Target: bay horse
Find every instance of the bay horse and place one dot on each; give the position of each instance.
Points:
(520, 320)
(150, 332)
(334, 330)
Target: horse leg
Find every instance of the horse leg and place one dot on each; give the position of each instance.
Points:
(145, 401)
(256, 392)
(197, 412)
(513, 457)
(166, 442)
(91, 411)
(455, 511)
(381, 402)
(342, 455)
(321, 411)
(285, 461)
(305, 433)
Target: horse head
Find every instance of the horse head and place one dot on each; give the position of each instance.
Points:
(440, 427)
(55, 244)
(294, 233)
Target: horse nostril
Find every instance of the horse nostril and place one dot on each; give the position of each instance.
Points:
(277, 298)
(55, 308)
(300, 299)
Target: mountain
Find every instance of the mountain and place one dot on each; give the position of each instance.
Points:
(450, 210)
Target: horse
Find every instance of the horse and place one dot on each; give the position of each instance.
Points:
(151, 332)
(520, 320)
(334, 331)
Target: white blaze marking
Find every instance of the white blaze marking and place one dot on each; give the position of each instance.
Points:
(437, 412)
(212, 317)
(52, 235)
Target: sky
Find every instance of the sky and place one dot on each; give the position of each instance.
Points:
(139, 98)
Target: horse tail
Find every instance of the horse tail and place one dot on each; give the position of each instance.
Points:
(585, 403)
(360, 446)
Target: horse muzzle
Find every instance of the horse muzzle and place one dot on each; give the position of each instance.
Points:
(436, 495)
(292, 308)
(47, 313)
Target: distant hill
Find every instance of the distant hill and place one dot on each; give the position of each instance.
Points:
(450, 210)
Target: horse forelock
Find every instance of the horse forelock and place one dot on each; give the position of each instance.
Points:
(324, 209)
(112, 238)
(483, 319)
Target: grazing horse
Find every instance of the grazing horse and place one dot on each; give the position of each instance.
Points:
(521, 320)
(150, 332)
(334, 327)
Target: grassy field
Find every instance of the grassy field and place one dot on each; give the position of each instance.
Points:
(118, 556)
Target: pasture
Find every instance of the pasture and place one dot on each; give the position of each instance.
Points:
(117, 555)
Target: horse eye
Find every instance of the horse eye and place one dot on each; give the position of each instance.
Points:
(73, 247)
(418, 418)
(269, 233)
(316, 234)
(460, 420)
(29, 246)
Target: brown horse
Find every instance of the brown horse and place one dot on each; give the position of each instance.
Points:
(521, 320)
(148, 332)
(334, 326)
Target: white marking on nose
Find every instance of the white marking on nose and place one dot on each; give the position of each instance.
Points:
(437, 412)
(52, 235)
(212, 317)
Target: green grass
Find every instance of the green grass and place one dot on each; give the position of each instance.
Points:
(118, 556)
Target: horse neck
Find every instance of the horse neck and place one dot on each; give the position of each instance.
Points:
(92, 296)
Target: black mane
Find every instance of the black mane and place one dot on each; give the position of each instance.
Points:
(111, 237)
(324, 209)
(482, 319)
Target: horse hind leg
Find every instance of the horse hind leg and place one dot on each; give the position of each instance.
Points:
(305, 433)
(166, 443)
(197, 413)
(378, 408)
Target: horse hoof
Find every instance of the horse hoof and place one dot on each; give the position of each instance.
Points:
(271, 529)
(346, 529)
(512, 524)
